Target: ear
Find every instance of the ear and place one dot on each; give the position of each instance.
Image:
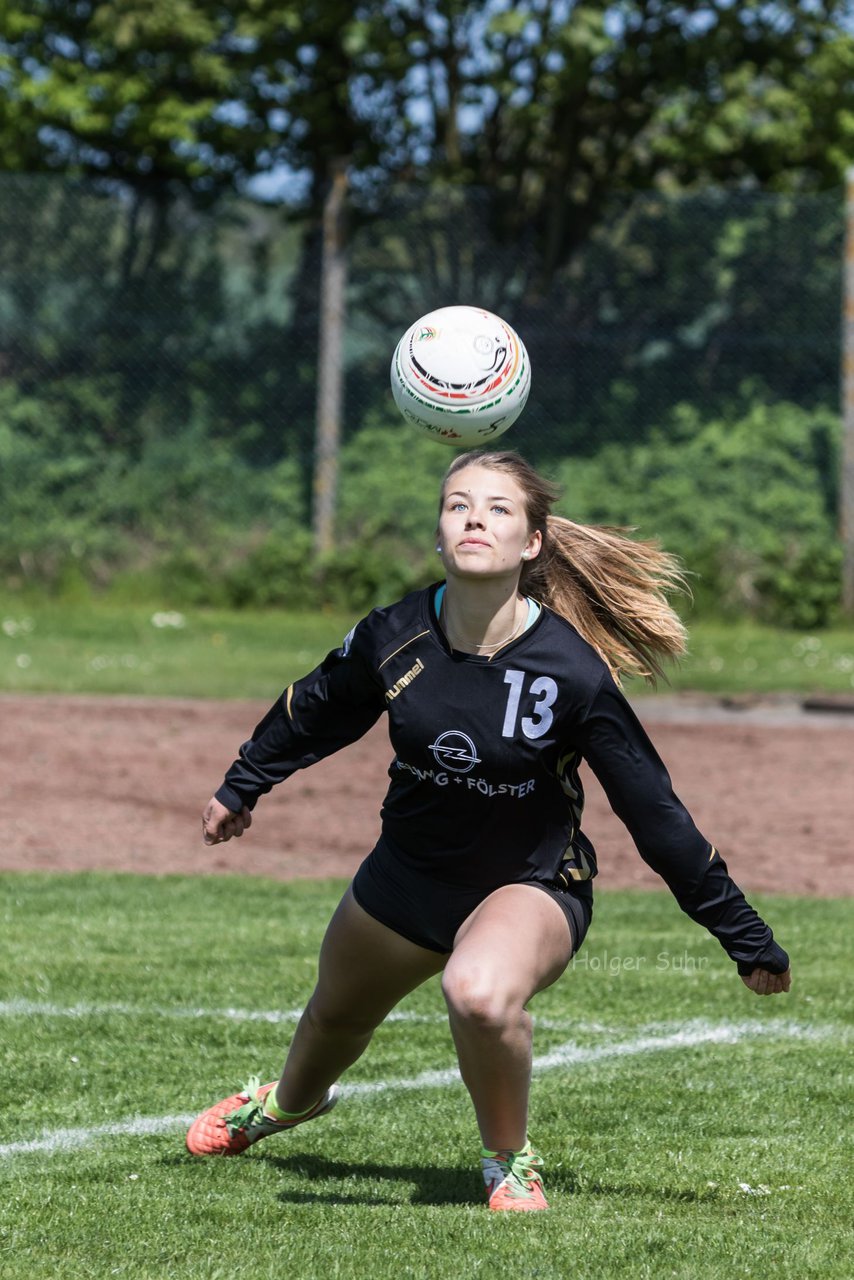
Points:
(533, 546)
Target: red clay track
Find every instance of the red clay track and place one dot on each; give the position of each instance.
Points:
(119, 784)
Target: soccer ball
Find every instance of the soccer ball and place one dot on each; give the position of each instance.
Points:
(461, 375)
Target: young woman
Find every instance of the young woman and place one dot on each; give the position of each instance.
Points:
(498, 683)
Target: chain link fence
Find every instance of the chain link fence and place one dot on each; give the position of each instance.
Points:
(158, 362)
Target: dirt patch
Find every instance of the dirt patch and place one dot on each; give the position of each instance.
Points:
(119, 784)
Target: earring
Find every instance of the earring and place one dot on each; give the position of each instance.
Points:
(439, 549)
(526, 555)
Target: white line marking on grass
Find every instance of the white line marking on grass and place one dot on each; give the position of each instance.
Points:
(55, 1140)
(687, 1036)
(44, 1009)
(683, 1036)
(22, 1008)
(19, 1008)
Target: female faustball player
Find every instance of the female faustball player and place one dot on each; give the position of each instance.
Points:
(498, 683)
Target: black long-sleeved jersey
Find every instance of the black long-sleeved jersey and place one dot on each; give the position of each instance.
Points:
(484, 785)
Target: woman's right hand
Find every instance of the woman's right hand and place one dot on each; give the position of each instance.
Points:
(765, 983)
(220, 824)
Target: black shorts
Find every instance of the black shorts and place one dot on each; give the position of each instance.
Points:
(429, 913)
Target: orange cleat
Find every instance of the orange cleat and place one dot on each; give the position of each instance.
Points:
(234, 1124)
(513, 1180)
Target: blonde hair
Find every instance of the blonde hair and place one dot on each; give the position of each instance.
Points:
(611, 587)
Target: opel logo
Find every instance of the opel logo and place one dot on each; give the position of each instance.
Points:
(455, 750)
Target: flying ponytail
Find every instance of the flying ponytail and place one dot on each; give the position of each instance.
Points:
(612, 588)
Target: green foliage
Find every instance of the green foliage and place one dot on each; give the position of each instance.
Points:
(554, 108)
(158, 397)
(158, 401)
(55, 480)
(276, 573)
(196, 96)
(716, 297)
(360, 577)
(747, 504)
(389, 481)
(69, 497)
(580, 108)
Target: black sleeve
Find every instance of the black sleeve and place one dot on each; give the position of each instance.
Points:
(640, 792)
(328, 709)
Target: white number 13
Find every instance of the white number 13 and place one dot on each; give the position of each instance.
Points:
(535, 725)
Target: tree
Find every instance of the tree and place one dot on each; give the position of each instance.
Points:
(558, 106)
(154, 93)
(560, 110)
(172, 99)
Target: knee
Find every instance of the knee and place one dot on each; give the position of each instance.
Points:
(478, 997)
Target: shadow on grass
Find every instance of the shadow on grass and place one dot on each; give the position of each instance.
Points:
(375, 1183)
(320, 1180)
(372, 1183)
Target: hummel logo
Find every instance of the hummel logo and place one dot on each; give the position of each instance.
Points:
(400, 685)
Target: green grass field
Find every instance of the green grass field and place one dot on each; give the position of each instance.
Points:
(101, 648)
(690, 1129)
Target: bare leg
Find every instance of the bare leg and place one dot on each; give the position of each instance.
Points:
(517, 942)
(364, 970)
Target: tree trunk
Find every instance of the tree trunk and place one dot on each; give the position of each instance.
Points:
(330, 372)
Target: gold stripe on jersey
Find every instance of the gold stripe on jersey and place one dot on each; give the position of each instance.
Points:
(575, 867)
(567, 776)
(401, 648)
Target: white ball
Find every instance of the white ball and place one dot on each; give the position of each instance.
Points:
(461, 375)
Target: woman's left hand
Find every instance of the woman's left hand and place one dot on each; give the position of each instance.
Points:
(765, 983)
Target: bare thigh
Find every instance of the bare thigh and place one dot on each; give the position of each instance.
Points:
(365, 968)
(515, 943)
